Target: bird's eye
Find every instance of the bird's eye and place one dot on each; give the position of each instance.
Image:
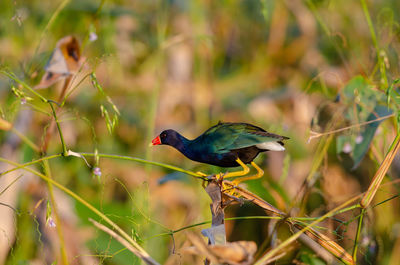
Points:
(163, 135)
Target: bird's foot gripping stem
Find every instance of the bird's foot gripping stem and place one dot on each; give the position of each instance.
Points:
(230, 190)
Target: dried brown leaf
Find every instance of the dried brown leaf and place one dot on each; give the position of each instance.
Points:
(254, 198)
(380, 173)
(65, 61)
(240, 252)
(235, 253)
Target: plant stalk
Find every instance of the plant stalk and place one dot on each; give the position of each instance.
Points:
(64, 148)
(360, 219)
(60, 233)
(144, 254)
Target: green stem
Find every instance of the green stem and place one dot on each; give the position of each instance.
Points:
(25, 140)
(30, 163)
(355, 206)
(64, 148)
(144, 254)
(381, 62)
(60, 233)
(9, 185)
(48, 25)
(25, 85)
(94, 17)
(70, 91)
(370, 25)
(328, 32)
(144, 161)
(360, 219)
(209, 222)
(110, 156)
(169, 233)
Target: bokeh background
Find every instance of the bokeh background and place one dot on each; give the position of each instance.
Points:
(292, 67)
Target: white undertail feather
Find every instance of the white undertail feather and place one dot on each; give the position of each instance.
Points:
(272, 146)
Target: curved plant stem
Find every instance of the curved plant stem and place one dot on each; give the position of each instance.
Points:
(48, 25)
(25, 140)
(144, 161)
(25, 85)
(20, 166)
(171, 232)
(60, 233)
(120, 239)
(144, 254)
(380, 57)
(359, 226)
(64, 148)
(129, 158)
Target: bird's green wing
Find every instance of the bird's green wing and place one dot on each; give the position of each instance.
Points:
(220, 137)
(229, 136)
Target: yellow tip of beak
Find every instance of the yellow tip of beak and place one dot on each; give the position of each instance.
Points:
(151, 144)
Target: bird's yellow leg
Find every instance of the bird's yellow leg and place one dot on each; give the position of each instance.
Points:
(259, 174)
(243, 172)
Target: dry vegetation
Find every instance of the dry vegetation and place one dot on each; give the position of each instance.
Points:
(85, 85)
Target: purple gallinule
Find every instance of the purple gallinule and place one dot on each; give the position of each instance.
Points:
(226, 145)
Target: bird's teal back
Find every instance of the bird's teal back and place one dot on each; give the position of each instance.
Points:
(224, 137)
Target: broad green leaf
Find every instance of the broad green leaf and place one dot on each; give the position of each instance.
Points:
(360, 96)
(368, 134)
(354, 86)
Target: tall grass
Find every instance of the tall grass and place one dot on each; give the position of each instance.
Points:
(323, 73)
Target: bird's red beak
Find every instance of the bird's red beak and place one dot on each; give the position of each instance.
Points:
(156, 141)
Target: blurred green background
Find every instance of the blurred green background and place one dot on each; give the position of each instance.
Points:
(287, 66)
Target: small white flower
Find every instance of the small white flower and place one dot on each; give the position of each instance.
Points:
(50, 222)
(97, 171)
(347, 148)
(23, 101)
(92, 36)
(359, 139)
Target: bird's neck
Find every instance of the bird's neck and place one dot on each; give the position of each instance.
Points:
(183, 145)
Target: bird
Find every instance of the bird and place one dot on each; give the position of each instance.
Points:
(226, 144)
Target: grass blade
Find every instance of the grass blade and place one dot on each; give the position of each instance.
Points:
(380, 173)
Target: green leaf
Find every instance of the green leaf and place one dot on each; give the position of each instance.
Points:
(354, 86)
(358, 93)
(368, 134)
(340, 141)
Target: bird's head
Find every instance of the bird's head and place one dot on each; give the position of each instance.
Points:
(168, 137)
